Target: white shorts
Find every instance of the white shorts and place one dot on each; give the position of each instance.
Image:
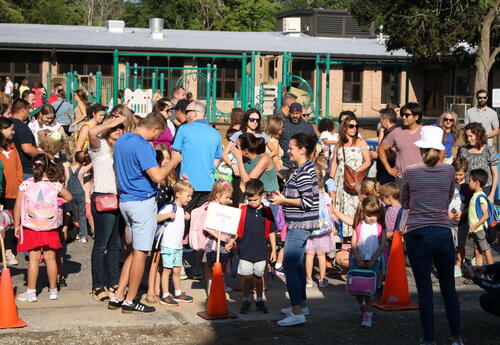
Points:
(247, 268)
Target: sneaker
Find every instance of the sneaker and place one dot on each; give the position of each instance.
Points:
(169, 300)
(27, 297)
(245, 307)
(309, 283)
(261, 307)
(292, 320)
(278, 272)
(114, 303)
(183, 298)
(367, 320)
(53, 294)
(136, 307)
(458, 272)
(62, 282)
(197, 276)
(11, 258)
(323, 283)
(83, 240)
(288, 311)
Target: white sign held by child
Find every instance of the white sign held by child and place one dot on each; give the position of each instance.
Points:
(222, 218)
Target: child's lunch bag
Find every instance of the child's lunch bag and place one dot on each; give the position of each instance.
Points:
(361, 282)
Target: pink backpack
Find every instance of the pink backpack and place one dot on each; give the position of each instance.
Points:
(197, 236)
(361, 282)
(39, 207)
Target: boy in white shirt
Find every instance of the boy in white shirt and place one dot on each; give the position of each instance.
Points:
(174, 217)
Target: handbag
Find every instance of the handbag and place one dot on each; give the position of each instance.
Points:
(361, 282)
(352, 177)
(105, 203)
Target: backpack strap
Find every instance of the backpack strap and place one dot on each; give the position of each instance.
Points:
(397, 224)
(379, 231)
(268, 214)
(241, 226)
(479, 211)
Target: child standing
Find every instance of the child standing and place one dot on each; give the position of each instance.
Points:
(368, 243)
(36, 224)
(459, 226)
(389, 194)
(477, 227)
(171, 243)
(74, 180)
(256, 227)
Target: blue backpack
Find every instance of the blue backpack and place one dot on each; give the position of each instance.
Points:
(493, 218)
(161, 226)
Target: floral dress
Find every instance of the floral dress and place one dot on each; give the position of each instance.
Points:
(345, 202)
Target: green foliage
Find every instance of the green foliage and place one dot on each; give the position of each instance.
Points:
(54, 12)
(10, 13)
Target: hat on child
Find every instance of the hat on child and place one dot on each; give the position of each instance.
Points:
(431, 137)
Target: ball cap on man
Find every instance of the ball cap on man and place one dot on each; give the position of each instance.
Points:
(295, 108)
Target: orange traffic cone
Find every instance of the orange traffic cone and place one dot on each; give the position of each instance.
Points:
(8, 309)
(396, 295)
(217, 304)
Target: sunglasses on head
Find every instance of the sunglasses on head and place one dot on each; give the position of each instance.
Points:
(351, 126)
(253, 119)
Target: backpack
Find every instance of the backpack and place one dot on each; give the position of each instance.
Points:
(361, 282)
(39, 207)
(325, 221)
(269, 218)
(493, 218)
(160, 228)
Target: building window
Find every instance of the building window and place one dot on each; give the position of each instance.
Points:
(228, 78)
(388, 85)
(352, 86)
(305, 70)
(21, 66)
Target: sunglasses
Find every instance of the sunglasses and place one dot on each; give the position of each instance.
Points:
(351, 126)
(449, 120)
(253, 119)
(406, 115)
(169, 109)
(189, 110)
(482, 97)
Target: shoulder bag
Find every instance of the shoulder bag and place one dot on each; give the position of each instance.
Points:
(351, 176)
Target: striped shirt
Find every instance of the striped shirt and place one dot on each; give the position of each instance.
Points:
(302, 184)
(427, 192)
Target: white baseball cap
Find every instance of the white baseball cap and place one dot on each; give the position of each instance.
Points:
(431, 137)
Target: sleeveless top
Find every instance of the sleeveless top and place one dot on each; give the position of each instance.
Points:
(269, 177)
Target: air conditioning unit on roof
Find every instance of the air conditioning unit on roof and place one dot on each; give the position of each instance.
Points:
(291, 25)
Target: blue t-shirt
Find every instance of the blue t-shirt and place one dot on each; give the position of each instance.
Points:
(133, 155)
(199, 144)
(448, 145)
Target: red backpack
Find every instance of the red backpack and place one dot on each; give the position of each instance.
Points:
(268, 214)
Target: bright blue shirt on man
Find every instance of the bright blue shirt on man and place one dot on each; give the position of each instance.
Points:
(133, 155)
(199, 144)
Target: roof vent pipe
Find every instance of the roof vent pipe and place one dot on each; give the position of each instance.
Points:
(156, 27)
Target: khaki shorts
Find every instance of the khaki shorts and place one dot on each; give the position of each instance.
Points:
(480, 242)
(247, 268)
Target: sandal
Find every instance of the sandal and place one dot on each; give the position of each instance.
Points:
(113, 289)
(152, 299)
(97, 294)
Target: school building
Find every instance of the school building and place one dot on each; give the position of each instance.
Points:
(323, 56)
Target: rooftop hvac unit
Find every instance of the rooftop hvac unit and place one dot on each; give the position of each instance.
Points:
(115, 26)
(291, 25)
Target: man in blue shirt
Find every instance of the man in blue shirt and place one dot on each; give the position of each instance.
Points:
(138, 175)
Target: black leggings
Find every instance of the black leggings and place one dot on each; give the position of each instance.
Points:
(10, 238)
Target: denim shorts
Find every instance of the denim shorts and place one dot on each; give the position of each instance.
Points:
(140, 218)
(171, 257)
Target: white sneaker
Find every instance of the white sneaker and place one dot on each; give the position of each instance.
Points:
(288, 311)
(53, 294)
(83, 240)
(11, 258)
(473, 261)
(458, 272)
(27, 297)
(367, 320)
(309, 283)
(292, 320)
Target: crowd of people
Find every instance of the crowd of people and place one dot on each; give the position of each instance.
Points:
(140, 186)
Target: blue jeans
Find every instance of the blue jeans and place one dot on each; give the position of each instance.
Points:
(293, 265)
(425, 246)
(105, 258)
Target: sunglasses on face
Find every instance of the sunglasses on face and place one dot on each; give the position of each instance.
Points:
(351, 126)
(189, 110)
(253, 119)
(449, 120)
(406, 115)
(486, 97)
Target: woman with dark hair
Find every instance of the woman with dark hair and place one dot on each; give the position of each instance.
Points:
(97, 112)
(235, 118)
(479, 155)
(426, 190)
(5, 110)
(300, 200)
(13, 176)
(46, 120)
(164, 107)
(254, 163)
(352, 151)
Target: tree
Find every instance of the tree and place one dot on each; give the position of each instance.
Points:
(10, 13)
(438, 28)
(97, 12)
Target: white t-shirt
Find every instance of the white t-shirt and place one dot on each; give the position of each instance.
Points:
(456, 204)
(368, 240)
(9, 87)
(173, 231)
(328, 136)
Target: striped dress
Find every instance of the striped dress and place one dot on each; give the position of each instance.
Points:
(427, 193)
(302, 184)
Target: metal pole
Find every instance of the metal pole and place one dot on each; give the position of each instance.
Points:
(135, 76)
(69, 92)
(98, 87)
(127, 76)
(214, 95)
(162, 83)
(285, 69)
(327, 100)
(153, 82)
(49, 87)
(317, 86)
(170, 83)
(252, 80)
(122, 80)
(208, 97)
(279, 96)
(115, 76)
(244, 82)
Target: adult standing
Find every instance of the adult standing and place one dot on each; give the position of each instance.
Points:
(53, 95)
(105, 257)
(46, 120)
(352, 151)
(449, 124)
(180, 110)
(300, 200)
(9, 86)
(429, 240)
(484, 115)
(388, 123)
(138, 176)
(288, 99)
(29, 96)
(23, 137)
(294, 124)
(24, 86)
(82, 104)
(479, 155)
(164, 107)
(178, 93)
(97, 112)
(64, 110)
(403, 140)
(40, 92)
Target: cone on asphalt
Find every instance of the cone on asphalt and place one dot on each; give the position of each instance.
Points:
(217, 303)
(8, 309)
(396, 295)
